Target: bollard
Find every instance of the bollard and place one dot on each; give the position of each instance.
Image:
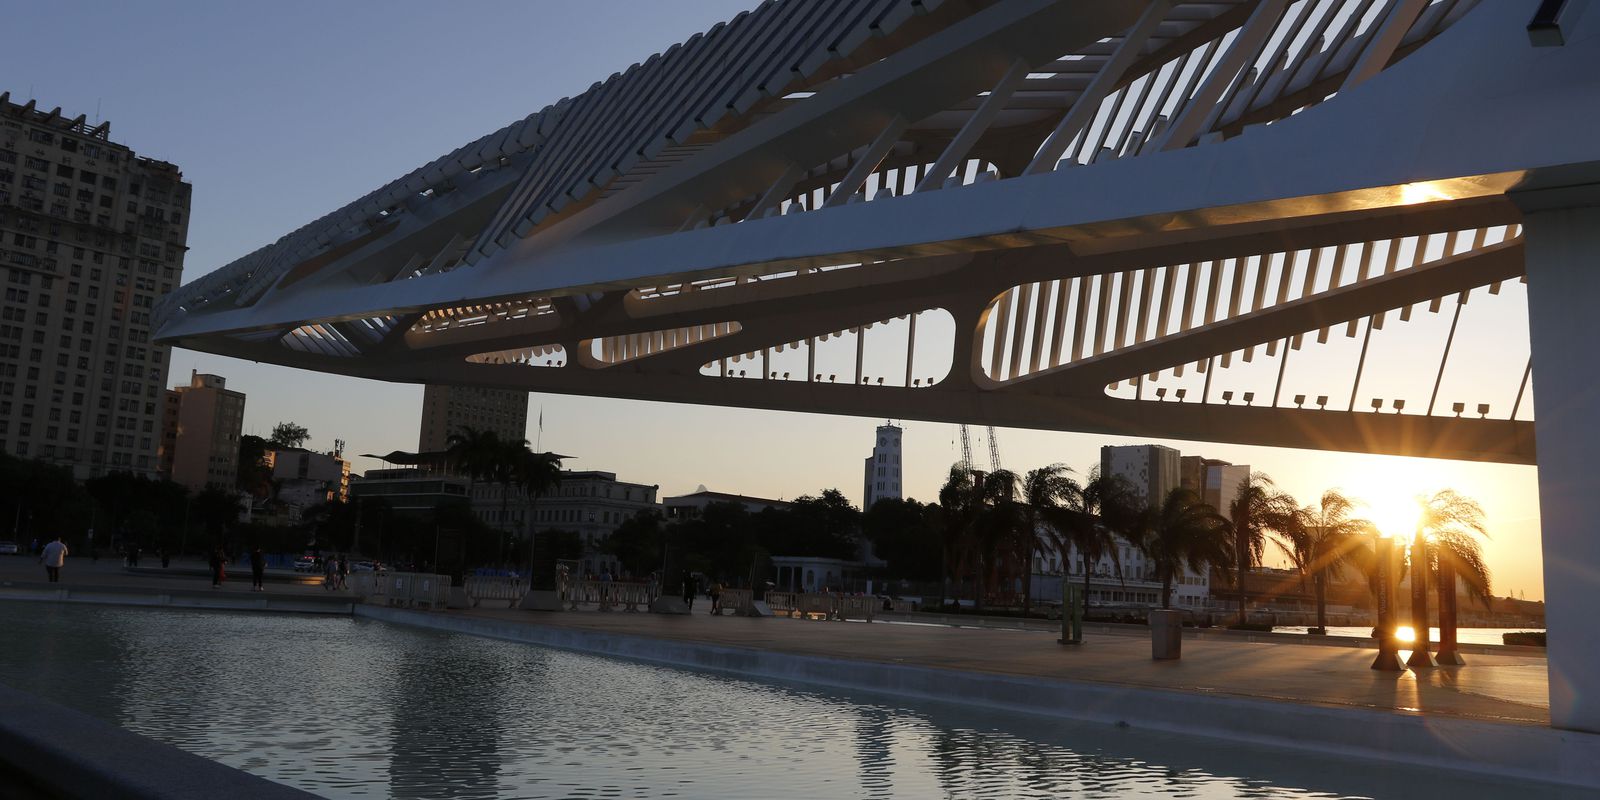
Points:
(1071, 614)
(1166, 634)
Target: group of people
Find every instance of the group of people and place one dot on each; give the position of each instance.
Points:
(336, 573)
(258, 568)
(691, 588)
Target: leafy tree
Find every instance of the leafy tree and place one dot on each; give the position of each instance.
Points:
(829, 526)
(638, 543)
(41, 500)
(902, 533)
(288, 435)
(254, 476)
(217, 510)
(1183, 532)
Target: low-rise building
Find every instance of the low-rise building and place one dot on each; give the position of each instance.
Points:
(409, 490)
(302, 478)
(591, 503)
(691, 506)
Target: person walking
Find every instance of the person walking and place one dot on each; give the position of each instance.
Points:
(53, 557)
(219, 568)
(344, 570)
(330, 573)
(688, 590)
(715, 593)
(258, 566)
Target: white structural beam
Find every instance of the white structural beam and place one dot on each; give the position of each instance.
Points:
(1563, 246)
(868, 163)
(1382, 43)
(956, 152)
(1088, 104)
(1193, 115)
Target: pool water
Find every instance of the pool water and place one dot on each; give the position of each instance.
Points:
(349, 708)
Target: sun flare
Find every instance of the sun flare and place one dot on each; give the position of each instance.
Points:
(1405, 633)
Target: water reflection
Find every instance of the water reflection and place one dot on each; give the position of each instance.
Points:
(351, 708)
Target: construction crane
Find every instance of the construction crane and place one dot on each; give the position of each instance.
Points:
(966, 449)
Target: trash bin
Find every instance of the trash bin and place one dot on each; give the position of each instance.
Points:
(1166, 634)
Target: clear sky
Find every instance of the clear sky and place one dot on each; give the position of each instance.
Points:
(280, 112)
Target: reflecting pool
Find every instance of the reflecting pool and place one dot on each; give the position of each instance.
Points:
(353, 708)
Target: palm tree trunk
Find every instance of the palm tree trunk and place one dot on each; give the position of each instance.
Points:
(1027, 583)
(1166, 589)
(1243, 546)
(1086, 590)
(1320, 584)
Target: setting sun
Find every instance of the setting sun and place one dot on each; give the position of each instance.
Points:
(1405, 633)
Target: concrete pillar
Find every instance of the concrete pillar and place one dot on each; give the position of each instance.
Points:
(1563, 267)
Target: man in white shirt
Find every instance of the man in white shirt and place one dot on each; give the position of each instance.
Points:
(53, 557)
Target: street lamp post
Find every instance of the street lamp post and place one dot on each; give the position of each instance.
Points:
(1388, 659)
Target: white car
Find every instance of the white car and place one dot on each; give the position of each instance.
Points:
(9, 549)
(305, 564)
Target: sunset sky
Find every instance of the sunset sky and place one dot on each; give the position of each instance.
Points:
(278, 113)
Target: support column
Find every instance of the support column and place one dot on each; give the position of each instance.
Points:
(1563, 267)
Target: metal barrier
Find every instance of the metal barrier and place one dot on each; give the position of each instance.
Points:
(607, 595)
(781, 603)
(823, 606)
(409, 589)
(858, 606)
(739, 601)
(496, 587)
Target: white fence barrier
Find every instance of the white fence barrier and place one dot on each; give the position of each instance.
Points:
(608, 595)
(496, 588)
(410, 589)
(823, 606)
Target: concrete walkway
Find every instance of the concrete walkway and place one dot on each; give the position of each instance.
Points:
(1501, 688)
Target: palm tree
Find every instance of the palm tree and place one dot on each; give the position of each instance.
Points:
(999, 528)
(1320, 541)
(1183, 532)
(1103, 508)
(960, 503)
(1258, 509)
(536, 474)
(473, 453)
(1446, 544)
(1047, 495)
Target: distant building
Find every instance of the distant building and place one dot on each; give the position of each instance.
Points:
(691, 506)
(201, 425)
(91, 236)
(590, 502)
(305, 479)
(409, 490)
(446, 410)
(881, 476)
(1129, 579)
(1151, 469)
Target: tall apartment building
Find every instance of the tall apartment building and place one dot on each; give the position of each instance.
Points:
(1215, 482)
(200, 433)
(1151, 469)
(448, 409)
(91, 235)
(881, 475)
